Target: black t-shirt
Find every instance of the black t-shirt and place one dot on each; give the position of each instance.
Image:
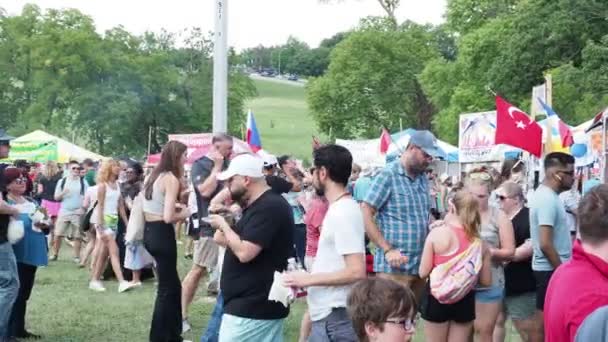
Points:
(4, 219)
(278, 185)
(267, 222)
(48, 187)
(201, 169)
(518, 275)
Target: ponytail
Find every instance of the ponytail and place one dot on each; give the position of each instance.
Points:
(467, 210)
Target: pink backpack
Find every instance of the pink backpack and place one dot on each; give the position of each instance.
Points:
(454, 279)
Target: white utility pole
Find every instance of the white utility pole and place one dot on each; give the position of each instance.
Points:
(220, 68)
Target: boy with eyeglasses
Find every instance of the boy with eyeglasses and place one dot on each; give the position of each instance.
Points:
(70, 192)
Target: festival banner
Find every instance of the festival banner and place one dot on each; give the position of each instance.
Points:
(35, 151)
(366, 153)
(476, 138)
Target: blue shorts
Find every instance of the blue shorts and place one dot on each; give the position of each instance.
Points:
(235, 328)
(490, 294)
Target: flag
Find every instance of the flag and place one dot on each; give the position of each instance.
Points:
(253, 136)
(516, 128)
(385, 141)
(597, 120)
(564, 131)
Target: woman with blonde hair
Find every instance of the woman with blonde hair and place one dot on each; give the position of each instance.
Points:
(108, 202)
(497, 231)
(448, 240)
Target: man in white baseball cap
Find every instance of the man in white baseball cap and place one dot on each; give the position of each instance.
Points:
(256, 247)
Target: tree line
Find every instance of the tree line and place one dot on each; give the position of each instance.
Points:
(109, 90)
(393, 74)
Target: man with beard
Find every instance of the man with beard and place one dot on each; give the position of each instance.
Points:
(549, 230)
(340, 259)
(256, 247)
(206, 186)
(396, 210)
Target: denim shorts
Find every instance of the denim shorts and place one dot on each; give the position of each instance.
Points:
(490, 294)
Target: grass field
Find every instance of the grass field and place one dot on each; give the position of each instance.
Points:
(283, 119)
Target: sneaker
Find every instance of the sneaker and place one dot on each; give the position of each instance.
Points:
(124, 286)
(53, 258)
(77, 260)
(136, 284)
(186, 326)
(96, 286)
(179, 242)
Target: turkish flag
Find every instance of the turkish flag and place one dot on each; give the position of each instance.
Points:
(517, 129)
(385, 141)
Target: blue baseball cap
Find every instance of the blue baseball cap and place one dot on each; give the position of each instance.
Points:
(427, 142)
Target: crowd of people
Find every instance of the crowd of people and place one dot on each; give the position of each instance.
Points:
(370, 250)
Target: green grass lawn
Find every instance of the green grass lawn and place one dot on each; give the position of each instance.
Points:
(283, 119)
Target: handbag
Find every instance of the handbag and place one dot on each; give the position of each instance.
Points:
(85, 220)
(135, 226)
(16, 231)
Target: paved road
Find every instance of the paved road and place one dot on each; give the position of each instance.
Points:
(300, 83)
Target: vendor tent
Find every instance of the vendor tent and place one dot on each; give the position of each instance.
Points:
(40, 146)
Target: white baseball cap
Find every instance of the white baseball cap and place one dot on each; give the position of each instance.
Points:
(269, 160)
(243, 165)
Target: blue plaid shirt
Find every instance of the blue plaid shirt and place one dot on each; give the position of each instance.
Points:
(403, 205)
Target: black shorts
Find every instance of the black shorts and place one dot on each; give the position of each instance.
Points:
(462, 311)
(542, 283)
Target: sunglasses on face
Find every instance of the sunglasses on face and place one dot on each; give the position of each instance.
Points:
(482, 175)
(408, 324)
(20, 180)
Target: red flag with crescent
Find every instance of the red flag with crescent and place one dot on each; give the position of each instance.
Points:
(517, 129)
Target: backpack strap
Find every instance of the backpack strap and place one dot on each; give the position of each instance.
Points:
(62, 183)
(81, 186)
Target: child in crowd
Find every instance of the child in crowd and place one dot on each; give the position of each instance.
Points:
(382, 310)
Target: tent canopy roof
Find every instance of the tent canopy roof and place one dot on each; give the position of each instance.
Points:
(66, 150)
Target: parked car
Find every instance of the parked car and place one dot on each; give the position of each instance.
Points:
(292, 77)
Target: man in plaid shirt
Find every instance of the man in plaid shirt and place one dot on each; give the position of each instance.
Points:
(396, 211)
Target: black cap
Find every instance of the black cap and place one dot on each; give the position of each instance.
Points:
(5, 138)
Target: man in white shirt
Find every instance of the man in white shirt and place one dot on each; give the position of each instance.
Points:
(340, 260)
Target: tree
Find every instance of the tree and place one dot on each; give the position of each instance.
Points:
(388, 6)
(371, 82)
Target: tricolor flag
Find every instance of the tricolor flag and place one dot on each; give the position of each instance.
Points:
(564, 131)
(253, 136)
(597, 120)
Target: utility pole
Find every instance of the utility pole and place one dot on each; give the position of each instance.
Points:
(220, 68)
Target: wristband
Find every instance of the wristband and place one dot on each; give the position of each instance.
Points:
(388, 250)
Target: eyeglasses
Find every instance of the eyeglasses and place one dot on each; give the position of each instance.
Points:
(424, 154)
(408, 324)
(20, 180)
(75, 169)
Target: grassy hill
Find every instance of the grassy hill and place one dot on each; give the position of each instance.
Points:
(283, 119)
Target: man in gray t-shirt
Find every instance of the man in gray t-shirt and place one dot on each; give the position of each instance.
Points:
(549, 230)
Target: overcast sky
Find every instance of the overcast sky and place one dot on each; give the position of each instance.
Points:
(251, 22)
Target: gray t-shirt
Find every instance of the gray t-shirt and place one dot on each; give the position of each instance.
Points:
(72, 202)
(546, 209)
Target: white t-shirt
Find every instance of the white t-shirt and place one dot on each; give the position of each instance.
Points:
(342, 234)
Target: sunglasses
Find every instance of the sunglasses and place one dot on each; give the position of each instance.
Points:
(20, 180)
(408, 324)
(482, 175)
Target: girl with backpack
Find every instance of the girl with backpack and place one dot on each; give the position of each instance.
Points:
(456, 260)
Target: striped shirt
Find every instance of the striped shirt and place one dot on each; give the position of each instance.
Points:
(403, 205)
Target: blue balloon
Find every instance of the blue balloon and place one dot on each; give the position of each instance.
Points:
(578, 150)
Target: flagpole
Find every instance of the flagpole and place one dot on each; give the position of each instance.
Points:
(603, 175)
(220, 68)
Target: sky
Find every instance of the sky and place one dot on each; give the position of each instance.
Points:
(250, 22)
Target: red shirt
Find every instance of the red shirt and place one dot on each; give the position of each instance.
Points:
(576, 289)
(313, 219)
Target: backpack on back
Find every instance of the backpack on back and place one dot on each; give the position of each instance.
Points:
(454, 279)
(62, 185)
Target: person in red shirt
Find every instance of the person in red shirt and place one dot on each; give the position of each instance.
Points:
(580, 286)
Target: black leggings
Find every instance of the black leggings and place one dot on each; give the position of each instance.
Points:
(159, 240)
(27, 274)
